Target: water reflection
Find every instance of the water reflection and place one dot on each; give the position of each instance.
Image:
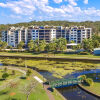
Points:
(75, 93)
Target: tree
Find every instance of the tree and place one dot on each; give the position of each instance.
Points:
(89, 81)
(72, 41)
(88, 45)
(96, 37)
(96, 44)
(96, 41)
(9, 47)
(3, 45)
(13, 72)
(28, 72)
(5, 69)
(35, 48)
(31, 45)
(5, 75)
(20, 45)
(36, 45)
(27, 89)
(61, 44)
(77, 47)
(42, 45)
(51, 46)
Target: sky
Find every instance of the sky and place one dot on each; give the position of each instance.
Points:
(15, 11)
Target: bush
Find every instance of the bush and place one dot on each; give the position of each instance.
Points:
(28, 72)
(5, 69)
(83, 77)
(5, 75)
(13, 72)
(83, 53)
(89, 81)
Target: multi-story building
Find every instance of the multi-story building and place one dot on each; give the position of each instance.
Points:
(14, 35)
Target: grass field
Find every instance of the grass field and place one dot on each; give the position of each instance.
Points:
(11, 77)
(16, 92)
(63, 55)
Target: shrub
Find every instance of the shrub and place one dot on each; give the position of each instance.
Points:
(5, 69)
(28, 72)
(5, 75)
(89, 81)
(83, 77)
(13, 72)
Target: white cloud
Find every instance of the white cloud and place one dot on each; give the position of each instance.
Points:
(2, 5)
(72, 2)
(85, 1)
(20, 7)
(41, 9)
(92, 11)
(57, 1)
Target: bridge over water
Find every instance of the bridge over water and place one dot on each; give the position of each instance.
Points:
(65, 82)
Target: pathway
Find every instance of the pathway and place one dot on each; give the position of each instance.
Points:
(51, 97)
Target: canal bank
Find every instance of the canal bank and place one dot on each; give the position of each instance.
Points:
(75, 92)
(54, 58)
(72, 92)
(90, 92)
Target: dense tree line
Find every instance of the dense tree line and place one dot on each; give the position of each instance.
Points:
(41, 46)
(56, 45)
(89, 44)
(94, 25)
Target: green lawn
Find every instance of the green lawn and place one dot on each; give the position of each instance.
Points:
(15, 93)
(95, 88)
(11, 77)
(49, 55)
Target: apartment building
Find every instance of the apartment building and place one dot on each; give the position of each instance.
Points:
(16, 34)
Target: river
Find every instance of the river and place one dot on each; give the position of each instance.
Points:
(73, 93)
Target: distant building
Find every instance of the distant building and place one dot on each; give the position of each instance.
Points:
(16, 34)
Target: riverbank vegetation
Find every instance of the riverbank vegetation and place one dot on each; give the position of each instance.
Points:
(94, 87)
(57, 68)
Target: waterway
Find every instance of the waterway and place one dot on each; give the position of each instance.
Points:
(73, 93)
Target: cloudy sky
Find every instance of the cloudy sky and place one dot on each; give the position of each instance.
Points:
(14, 11)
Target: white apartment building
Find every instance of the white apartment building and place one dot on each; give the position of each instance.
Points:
(17, 34)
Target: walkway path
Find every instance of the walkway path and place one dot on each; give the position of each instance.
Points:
(51, 97)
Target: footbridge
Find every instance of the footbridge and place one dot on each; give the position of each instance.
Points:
(65, 82)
